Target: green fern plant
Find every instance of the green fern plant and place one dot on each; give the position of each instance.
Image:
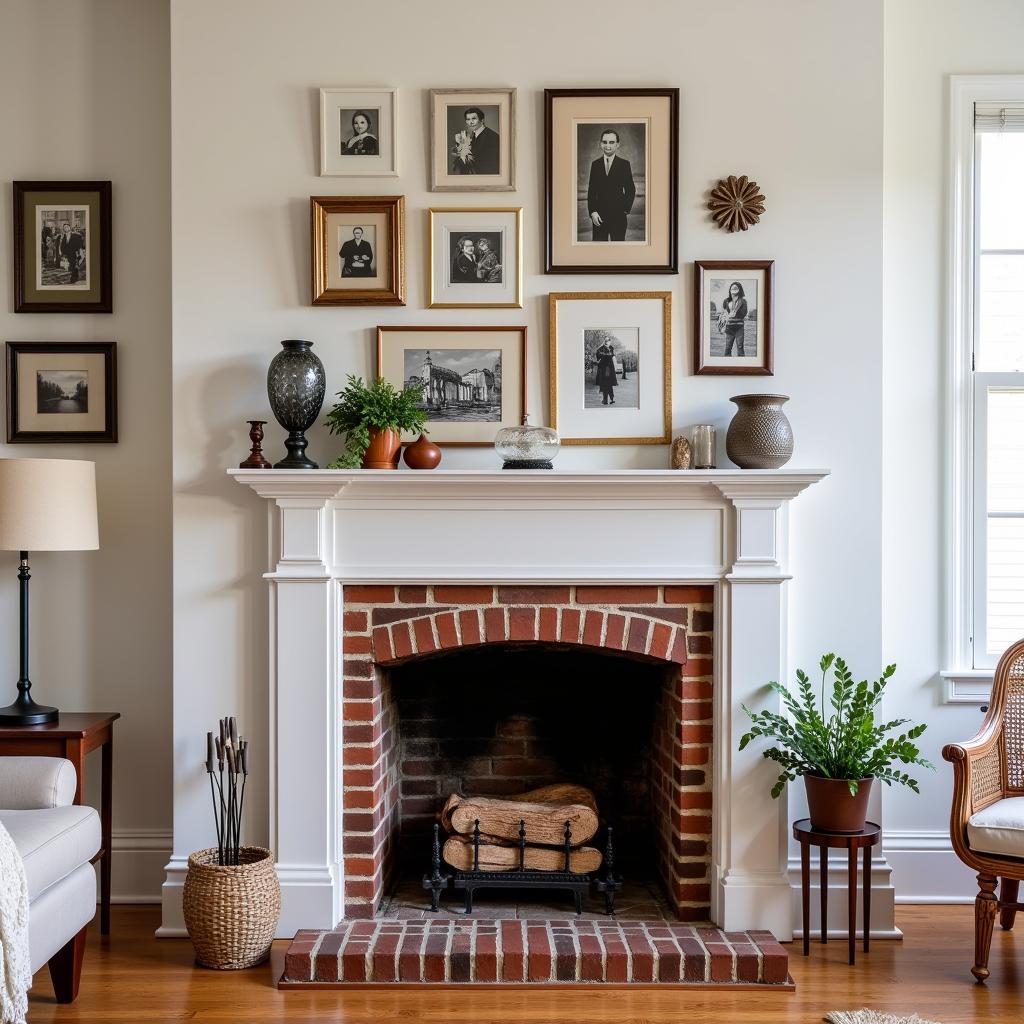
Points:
(844, 743)
(379, 406)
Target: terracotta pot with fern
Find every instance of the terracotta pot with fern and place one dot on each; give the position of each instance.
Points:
(372, 418)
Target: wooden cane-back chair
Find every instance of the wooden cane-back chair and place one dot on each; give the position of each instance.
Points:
(986, 823)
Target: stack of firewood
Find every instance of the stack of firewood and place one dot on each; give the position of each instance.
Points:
(543, 813)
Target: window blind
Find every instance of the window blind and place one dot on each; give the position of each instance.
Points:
(999, 117)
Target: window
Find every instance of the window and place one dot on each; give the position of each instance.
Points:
(986, 392)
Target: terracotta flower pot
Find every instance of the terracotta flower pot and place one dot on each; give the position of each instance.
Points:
(385, 447)
(422, 454)
(831, 807)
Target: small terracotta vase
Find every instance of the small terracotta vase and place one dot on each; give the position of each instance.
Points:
(422, 454)
(832, 809)
(385, 447)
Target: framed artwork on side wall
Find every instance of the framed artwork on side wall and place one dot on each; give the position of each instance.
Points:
(611, 177)
(62, 239)
(359, 133)
(733, 309)
(473, 378)
(61, 392)
(472, 140)
(611, 367)
(358, 250)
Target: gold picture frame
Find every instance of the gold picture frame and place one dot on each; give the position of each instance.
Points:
(640, 323)
(447, 227)
(357, 269)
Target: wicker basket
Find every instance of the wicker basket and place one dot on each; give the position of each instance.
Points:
(231, 911)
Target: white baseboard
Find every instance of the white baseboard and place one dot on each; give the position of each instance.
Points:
(137, 862)
(925, 869)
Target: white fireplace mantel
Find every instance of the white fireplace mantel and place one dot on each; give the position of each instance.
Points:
(729, 528)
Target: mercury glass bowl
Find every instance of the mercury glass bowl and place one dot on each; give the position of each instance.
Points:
(527, 446)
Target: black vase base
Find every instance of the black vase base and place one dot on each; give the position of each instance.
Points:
(293, 463)
(528, 464)
(27, 712)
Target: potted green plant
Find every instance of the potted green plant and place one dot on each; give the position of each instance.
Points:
(841, 751)
(372, 418)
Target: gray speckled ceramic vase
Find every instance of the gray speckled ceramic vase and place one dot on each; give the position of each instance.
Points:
(759, 436)
(296, 383)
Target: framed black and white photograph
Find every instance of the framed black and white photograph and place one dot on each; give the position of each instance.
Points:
(475, 258)
(611, 367)
(611, 177)
(733, 317)
(62, 247)
(358, 250)
(358, 132)
(473, 378)
(472, 138)
(61, 392)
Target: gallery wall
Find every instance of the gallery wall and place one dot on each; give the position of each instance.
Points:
(86, 95)
(796, 103)
(925, 42)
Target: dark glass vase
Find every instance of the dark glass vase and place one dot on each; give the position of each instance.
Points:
(296, 383)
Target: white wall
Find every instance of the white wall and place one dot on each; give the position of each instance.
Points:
(798, 107)
(86, 95)
(925, 42)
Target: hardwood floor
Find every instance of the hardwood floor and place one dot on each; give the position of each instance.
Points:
(130, 976)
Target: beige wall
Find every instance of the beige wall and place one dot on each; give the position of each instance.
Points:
(86, 95)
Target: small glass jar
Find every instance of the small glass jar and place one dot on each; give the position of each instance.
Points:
(526, 446)
(704, 446)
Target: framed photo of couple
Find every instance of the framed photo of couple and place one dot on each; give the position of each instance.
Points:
(359, 132)
(611, 177)
(733, 312)
(472, 140)
(476, 258)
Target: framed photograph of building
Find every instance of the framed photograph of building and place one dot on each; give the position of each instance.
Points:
(733, 312)
(611, 181)
(611, 367)
(472, 140)
(476, 258)
(474, 378)
(62, 254)
(61, 392)
(358, 250)
(359, 133)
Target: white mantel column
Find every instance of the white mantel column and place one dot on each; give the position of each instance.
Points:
(750, 884)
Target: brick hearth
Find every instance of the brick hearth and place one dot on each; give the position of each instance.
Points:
(555, 951)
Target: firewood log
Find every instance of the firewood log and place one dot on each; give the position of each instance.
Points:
(544, 822)
(559, 793)
(458, 852)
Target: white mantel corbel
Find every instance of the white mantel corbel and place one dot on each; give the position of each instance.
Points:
(723, 527)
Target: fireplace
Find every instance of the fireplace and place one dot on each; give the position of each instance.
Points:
(494, 690)
(347, 544)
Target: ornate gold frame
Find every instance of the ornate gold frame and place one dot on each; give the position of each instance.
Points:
(518, 211)
(666, 328)
(320, 207)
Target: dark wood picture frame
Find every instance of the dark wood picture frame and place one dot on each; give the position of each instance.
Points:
(671, 265)
(17, 435)
(765, 312)
(101, 257)
(320, 208)
(519, 329)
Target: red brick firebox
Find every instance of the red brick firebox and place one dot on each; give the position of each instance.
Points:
(387, 626)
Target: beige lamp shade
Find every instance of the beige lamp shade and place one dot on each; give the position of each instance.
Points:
(48, 505)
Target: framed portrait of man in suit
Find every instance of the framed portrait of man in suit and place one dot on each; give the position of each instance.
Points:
(472, 140)
(611, 181)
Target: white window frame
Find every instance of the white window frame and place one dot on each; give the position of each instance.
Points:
(968, 676)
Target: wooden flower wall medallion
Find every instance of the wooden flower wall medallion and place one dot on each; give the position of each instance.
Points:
(736, 203)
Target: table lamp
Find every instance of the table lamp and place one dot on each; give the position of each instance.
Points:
(45, 505)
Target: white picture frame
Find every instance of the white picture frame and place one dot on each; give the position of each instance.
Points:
(452, 172)
(495, 237)
(346, 152)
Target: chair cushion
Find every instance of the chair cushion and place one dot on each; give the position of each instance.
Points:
(999, 828)
(53, 842)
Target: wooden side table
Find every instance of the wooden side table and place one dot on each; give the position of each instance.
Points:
(807, 837)
(73, 736)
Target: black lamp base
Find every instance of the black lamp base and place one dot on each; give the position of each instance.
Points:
(25, 711)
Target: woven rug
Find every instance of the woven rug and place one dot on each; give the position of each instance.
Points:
(871, 1017)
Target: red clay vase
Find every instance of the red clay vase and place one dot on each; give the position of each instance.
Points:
(385, 447)
(422, 454)
(831, 807)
